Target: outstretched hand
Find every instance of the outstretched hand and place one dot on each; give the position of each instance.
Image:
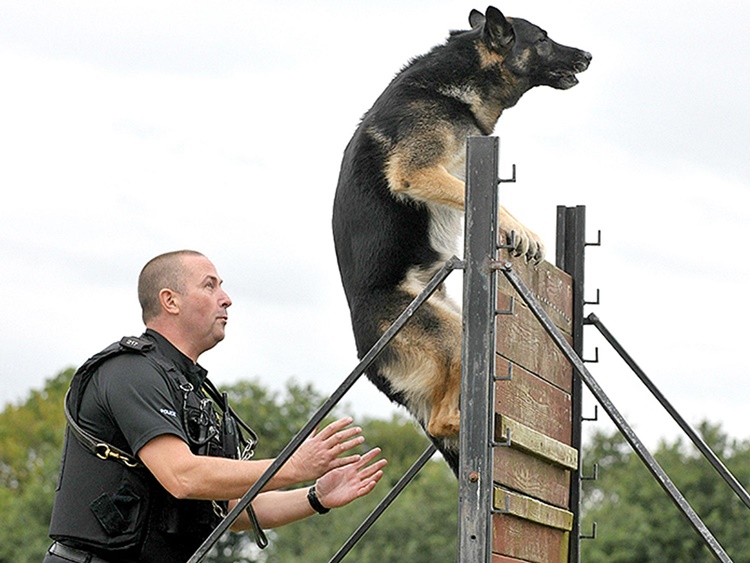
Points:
(321, 452)
(341, 486)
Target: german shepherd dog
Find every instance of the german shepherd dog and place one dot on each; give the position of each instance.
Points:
(399, 203)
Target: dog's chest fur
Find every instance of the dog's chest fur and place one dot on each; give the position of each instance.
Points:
(445, 230)
(445, 222)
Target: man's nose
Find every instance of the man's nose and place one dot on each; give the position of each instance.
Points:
(226, 301)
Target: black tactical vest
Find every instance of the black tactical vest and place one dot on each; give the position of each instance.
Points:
(107, 503)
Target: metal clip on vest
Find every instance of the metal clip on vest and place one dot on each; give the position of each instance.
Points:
(105, 451)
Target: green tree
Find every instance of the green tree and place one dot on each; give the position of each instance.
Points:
(31, 437)
(419, 526)
(637, 523)
(636, 520)
(276, 418)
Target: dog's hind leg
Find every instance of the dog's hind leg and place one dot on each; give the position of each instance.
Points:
(445, 416)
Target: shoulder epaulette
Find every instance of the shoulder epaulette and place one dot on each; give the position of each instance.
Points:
(135, 343)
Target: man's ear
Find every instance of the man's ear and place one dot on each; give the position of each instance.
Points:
(170, 301)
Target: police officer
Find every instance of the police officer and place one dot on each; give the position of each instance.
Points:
(145, 473)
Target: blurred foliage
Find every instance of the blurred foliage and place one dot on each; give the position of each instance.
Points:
(637, 523)
(419, 526)
(31, 439)
(636, 519)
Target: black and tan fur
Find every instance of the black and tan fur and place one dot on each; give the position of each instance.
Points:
(400, 199)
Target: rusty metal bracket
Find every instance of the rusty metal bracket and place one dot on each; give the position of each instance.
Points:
(511, 310)
(508, 377)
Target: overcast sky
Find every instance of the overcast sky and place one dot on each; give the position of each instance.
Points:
(132, 128)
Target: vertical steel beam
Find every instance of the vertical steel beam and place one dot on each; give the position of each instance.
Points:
(477, 360)
(571, 247)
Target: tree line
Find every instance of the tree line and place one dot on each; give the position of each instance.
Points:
(636, 521)
(419, 526)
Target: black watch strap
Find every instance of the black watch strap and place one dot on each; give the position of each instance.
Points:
(312, 498)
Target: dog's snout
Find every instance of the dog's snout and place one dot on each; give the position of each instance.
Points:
(584, 61)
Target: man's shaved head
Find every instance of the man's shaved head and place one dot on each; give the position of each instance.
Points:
(166, 271)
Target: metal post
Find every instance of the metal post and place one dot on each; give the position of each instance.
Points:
(477, 367)
(571, 246)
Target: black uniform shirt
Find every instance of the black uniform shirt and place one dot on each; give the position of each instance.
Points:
(129, 402)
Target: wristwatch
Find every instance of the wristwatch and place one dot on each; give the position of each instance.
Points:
(312, 498)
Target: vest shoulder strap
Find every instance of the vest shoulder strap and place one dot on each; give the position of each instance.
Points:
(81, 378)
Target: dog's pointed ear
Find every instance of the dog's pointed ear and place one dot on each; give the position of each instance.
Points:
(476, 19)
(498, 32)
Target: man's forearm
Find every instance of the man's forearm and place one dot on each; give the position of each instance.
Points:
(187, 476)
(276, 508)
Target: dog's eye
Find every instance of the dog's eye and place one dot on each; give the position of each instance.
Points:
(542, 39)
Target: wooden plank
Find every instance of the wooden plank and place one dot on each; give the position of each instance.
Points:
(530, 475)
(532, 401)
(504, 559)
(532, 510)
(528, 541)
(533, 474)
(552, 287)
(521, 339)
(529, 440)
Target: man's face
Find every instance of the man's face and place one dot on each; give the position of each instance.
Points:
(203, 304)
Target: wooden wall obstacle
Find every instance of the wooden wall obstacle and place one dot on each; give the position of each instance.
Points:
(534, 457)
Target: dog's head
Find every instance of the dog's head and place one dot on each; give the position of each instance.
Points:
(526, 51)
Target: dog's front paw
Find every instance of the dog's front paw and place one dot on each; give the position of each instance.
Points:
(526, 243)
(521, 241)
(535, 252)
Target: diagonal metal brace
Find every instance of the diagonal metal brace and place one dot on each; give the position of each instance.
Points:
(384, 504)
(701, 445)
(622, 425)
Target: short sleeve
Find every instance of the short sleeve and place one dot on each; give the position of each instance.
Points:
(137, 397)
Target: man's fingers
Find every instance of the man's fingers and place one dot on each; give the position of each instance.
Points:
(335, 426)
(369, 484)
(372, 454)
(369, 471)
(346, 445)
(367, 457)
(343, 436)
(363, 460)
(344, 461)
